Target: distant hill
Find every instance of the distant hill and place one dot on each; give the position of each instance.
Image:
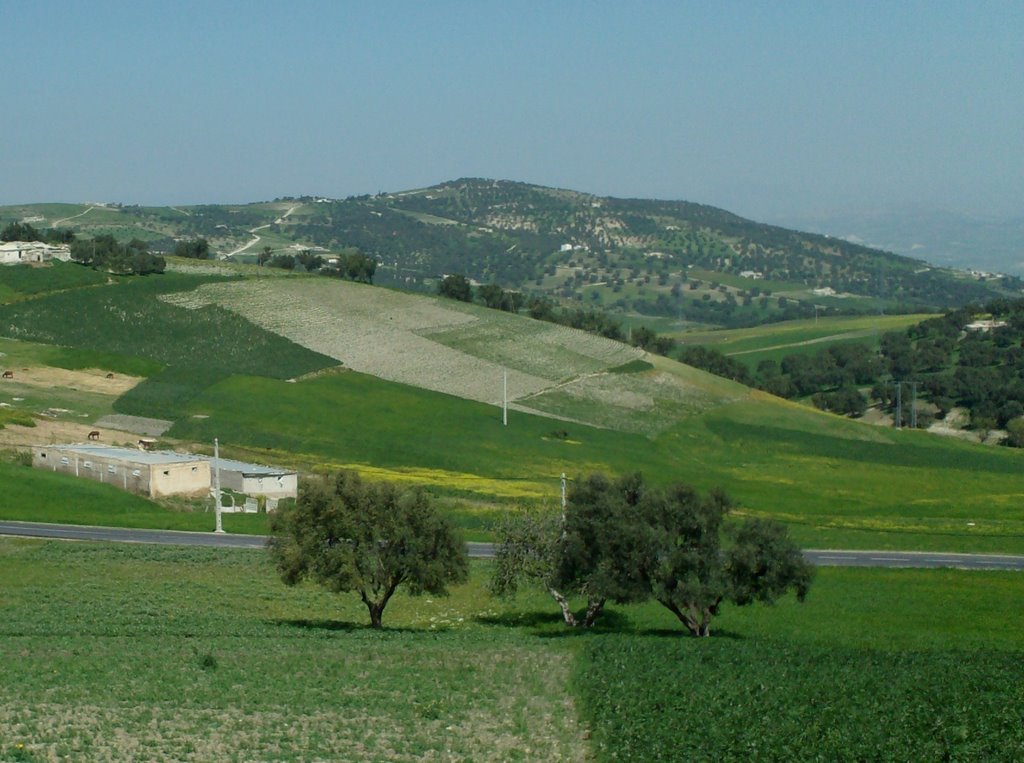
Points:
(675, 259)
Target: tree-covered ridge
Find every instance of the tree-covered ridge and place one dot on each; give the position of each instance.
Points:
(625, 234)
(675, 259)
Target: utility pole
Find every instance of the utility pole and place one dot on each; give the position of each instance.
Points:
(564, 504)
(216, 485)
(913, 405)
(504, 397)
(899, 405)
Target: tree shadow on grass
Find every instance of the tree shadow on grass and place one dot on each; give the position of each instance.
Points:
(544, 624)
(547, 624)
(342, 626)
(681, 632)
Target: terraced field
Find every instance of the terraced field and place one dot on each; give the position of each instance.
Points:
(462, 350)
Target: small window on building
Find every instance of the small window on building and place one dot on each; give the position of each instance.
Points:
(42, 455)
(64, 460)
(87, 464)
(195, 469)
(111, 468)
(167, 473)
(136, 473)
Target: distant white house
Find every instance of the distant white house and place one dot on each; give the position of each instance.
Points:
(824, 291)
(985, 325)
(22, 252)
(755, 274)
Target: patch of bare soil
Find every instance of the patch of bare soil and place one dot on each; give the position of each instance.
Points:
(87, 380)
(54, 432)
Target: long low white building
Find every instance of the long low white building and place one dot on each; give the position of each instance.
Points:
(160, 473)
(138, 471)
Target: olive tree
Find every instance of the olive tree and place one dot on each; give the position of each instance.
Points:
(579, 554)
(690, 573)
(625, 541)
(369, 538)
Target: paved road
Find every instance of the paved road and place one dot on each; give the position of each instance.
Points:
(486, 550)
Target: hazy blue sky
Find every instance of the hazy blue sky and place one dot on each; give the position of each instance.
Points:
(767, 109)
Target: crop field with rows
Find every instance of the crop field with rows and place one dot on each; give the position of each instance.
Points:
(462, 350)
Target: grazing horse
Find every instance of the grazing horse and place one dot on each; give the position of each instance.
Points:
(8, 374)
(94, 434)
(110, 376)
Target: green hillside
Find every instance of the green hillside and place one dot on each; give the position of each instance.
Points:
(320, 374)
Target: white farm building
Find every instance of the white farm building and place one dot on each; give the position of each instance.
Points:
(20, 252)
(156, 474)
(137, 471)
(255, 480)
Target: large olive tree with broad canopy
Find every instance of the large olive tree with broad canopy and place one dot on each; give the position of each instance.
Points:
(370, 538)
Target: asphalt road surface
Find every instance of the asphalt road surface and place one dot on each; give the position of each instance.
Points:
(830, 558)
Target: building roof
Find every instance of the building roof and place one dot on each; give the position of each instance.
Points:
(166, 457)
(125, 454)
(227, 464)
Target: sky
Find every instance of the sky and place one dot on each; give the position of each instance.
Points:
(766, 109)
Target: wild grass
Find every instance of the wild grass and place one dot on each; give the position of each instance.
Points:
(163, 653)
(28, 280)
(17, 353)
(835, 482)
(35, 495)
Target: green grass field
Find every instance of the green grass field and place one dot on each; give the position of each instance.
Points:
(23, 280)
(836, 483)
(34, 495)
(161, 653)
(776, 340)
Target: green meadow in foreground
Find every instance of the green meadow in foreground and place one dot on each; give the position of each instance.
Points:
(162, 653)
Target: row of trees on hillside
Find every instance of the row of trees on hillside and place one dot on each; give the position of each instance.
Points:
(352, 265)
(490, 295)
(105, 253)
(617, 540)
(971, 358)
(18, 231)
(540, 308)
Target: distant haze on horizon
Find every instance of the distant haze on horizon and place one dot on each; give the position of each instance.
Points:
(772, 111)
